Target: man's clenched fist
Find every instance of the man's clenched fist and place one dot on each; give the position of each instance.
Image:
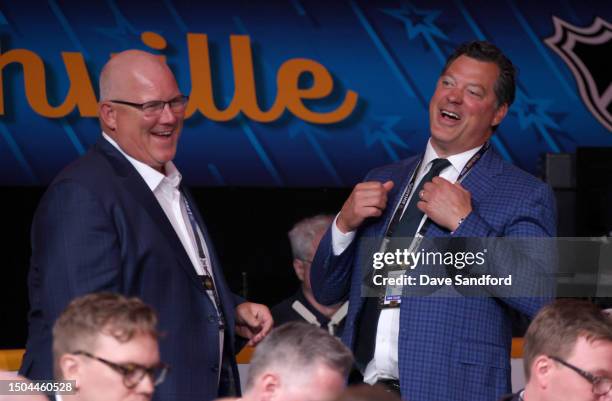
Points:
(445, 203)
(368, 199)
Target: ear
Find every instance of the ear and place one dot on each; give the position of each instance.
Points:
(70, 366)
(108, 115)
(500, 113)
(269, 386)
(541, 371)
(300, 268)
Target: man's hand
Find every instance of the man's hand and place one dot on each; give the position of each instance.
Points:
(253, 321)
(445, 203)
(368, 199)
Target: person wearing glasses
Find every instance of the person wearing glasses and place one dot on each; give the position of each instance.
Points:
(304, 238)
(568, 354)
(107, 344)
(119, 219)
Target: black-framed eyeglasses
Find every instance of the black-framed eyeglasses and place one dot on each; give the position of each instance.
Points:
(601, 385)
(132, 373)
(155, 107)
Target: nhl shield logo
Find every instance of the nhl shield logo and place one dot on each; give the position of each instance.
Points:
(587, 53)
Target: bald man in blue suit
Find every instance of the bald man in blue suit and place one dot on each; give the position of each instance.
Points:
(119, 219)
(451, 347)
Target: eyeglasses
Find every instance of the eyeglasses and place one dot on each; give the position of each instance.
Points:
(155, 107)
(601, 385)
(132, 373)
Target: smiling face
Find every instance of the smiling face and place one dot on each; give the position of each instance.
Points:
(139, 77)
(463, 108)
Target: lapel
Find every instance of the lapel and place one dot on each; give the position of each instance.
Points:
(401, 177)
(135, 185)
(400, 174)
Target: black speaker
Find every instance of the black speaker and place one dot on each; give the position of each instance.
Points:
(594, 192)
(560, 173)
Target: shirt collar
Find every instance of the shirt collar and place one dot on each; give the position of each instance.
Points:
(151, 176)
(458, 161)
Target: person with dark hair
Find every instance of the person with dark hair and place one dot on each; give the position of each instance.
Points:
(298, 361)
(568, 354)
(120, 219)
(440, 343)
(107, 344)
(304, 238)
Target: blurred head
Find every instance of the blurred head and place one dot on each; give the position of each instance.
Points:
(472, 97)
(298, 362)
(108, 344)
(304, 238)
(146, 130)
(568, 353)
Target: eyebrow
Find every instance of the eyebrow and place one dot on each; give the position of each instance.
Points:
(602, 373)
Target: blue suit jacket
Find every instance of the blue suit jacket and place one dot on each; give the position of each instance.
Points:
(100, 228)
(450, 348)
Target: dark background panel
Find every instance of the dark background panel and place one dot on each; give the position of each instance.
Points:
(248, 227)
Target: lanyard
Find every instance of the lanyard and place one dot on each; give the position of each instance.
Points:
(397, 216)
(207, 280)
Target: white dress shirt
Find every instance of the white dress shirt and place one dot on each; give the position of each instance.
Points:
(384, 364)
(167, 192)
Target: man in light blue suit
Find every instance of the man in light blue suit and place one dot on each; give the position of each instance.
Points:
(118, 219)
(442, 347)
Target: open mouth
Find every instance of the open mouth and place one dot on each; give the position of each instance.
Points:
(450, 115)
(162, 134)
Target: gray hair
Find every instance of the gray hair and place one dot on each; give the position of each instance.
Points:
(298, 347)
(304, 232)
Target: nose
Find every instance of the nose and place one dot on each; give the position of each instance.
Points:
(454, 95)
(167, 116)
(146, 386)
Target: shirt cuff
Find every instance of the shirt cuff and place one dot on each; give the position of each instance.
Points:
(340, 240)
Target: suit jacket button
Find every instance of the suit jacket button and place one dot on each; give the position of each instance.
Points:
(212, 318)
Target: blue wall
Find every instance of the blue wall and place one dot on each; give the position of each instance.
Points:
(388, 52)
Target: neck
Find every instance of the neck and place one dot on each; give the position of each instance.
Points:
(327, 311)
(446, 152)
(531, 394)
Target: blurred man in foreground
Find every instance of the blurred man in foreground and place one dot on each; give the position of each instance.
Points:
(107, 344)
(568, 354)
(298, 362)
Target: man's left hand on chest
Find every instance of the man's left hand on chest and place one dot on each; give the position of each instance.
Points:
(253, 321)
(445, 203)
